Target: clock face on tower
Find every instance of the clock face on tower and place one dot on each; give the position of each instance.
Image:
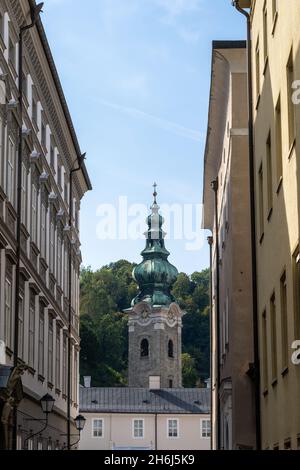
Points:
(143, 311)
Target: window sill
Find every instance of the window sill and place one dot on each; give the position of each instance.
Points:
(279, 185)
(35, 126)
(9, 351)
(270, 214)
(12, 69)
(261, 238)
(31, 371)
(265, 65)
(274, 382)
(257, 101)
(292, 147)
(285, 371)
(274, 23)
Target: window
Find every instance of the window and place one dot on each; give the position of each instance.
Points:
(97, 427)
(205, 428)
(172, 427)
(57, 359)
(31, 332)
(2, 25)
(265, 13)
(287, 444)
(170, 383)
(66, 191)
(269, 173)
(278, 130)
(138, 429)
(50, 351)
(10, 183)
(40, 444)
(12, 53)
(296, 284)
(52, 246)
(30, 443)
(75, 385)
(227, 322)
(43, 135)
(34, 111)
(65, 352)
(8, 312)
(59, 174)
(284, 321)
(265, 350)
(144, 348)
(170, 348)
(273, 336)
(1, 154)
(43, 230)
(41, 341)
(24, 85)
(261, 200)
(52, 156)
(49, 445)
(21, 328)
(34, 196)
(24, 195)
(257, 59)
(59, 264)
(291, 107)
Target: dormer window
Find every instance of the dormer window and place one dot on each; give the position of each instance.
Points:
(170, 348)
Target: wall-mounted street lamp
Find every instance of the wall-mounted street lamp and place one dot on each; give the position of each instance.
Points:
(79, 423)
(47, 404)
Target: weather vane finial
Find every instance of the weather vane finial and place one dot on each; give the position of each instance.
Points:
(155, 193)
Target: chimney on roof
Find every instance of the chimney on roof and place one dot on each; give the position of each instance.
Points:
(87, 381)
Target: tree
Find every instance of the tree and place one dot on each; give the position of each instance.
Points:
(106, 293)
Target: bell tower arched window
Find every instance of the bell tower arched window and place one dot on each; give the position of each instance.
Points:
(145, 348)
(170, 348)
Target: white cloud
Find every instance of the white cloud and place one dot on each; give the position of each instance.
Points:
(164, 124)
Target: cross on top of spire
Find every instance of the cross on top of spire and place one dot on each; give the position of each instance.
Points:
(155, 193)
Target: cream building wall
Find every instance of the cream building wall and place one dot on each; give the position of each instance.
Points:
(118, 432)
(227, 162)
(276, 62)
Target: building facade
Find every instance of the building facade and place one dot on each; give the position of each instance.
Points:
(142, 419)
(226, 200)
(49, 151)
(276, 120)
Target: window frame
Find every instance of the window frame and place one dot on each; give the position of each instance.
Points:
(141, 420)
(102, 428)
(169, 420)
(202, 432)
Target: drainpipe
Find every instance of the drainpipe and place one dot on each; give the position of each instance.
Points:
(69, 366)
(215, 188)
(254, 368)
(210, 242)
(155, 445)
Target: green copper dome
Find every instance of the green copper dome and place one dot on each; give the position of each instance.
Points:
(155, 275)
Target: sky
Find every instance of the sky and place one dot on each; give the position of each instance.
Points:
(136, 76)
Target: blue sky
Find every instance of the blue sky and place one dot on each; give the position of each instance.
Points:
(136, 75)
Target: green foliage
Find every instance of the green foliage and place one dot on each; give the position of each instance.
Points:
(106, 293)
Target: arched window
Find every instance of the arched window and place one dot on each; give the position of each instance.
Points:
(144, 348)
(170, 348)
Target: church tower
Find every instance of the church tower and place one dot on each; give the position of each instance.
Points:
(155, 319)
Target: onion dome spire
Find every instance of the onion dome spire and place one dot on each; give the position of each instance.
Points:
(155, 275)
